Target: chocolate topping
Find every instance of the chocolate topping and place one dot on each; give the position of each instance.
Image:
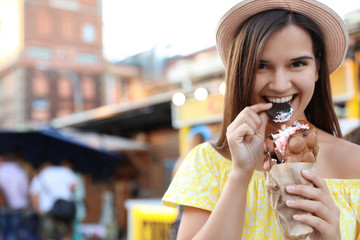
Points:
(280, 112)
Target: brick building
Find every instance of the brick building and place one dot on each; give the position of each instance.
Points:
(56, 66)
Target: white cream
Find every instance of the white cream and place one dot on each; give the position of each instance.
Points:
(281, 138)
(283, 116)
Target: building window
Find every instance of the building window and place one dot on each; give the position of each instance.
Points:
(87, 58)
(64, 87)
(88, 33)
(124, 89)
(40, 115)
(88, 88)
(65, 108)
(89, 106)
(40, 85)
(66, 26)
(44, 22)
(39, 53)
(40, 104)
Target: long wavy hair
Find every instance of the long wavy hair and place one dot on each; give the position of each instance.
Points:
(244, 58)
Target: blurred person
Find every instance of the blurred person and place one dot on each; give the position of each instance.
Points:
(197, 135)
(79, 198)
(52, 183)
(2, 197)
(14, 184)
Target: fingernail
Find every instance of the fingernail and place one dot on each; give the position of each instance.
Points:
(290, 188)
(290, 202)
(296, 217)
(306, 172)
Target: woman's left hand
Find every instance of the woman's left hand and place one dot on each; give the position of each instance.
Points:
(325, 218)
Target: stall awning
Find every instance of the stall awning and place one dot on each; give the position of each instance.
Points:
(142, 115)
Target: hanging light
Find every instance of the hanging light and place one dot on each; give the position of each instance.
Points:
(201, 94)
(178, 98)
(222, 88)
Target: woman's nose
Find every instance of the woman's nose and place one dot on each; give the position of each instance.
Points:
(280, 81)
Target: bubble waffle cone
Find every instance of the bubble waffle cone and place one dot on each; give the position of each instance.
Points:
(286, 154)
(276, 180)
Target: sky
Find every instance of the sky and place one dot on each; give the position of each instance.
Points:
(133, 26)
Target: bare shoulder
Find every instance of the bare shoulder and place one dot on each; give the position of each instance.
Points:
(340, 158)
(349, 150)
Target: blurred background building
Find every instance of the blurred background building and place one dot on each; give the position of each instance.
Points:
(51, 62)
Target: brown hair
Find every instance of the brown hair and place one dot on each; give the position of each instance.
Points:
(244, 57)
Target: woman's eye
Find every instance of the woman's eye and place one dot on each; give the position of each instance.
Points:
(262, 66)
(298, 64)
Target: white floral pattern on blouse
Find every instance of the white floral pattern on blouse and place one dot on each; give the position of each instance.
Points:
(203, 174)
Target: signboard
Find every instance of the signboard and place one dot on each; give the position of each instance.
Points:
(342, 82)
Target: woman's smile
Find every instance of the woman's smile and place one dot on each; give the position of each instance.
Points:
(287, 70)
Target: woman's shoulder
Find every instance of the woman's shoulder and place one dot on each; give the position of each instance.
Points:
(350, 153)
(205, 148)
(205, 153)
(209, 148)
(338, 157)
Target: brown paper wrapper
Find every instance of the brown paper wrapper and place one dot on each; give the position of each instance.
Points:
(276, 180)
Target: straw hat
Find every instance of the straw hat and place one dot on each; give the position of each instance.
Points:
(333, 28)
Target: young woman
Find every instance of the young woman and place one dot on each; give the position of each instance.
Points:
(274, 51)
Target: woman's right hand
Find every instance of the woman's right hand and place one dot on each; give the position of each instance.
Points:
(245, 136)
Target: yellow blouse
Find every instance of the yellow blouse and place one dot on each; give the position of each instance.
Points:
(203, 174)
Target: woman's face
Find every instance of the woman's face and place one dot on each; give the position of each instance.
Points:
(287, 70)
